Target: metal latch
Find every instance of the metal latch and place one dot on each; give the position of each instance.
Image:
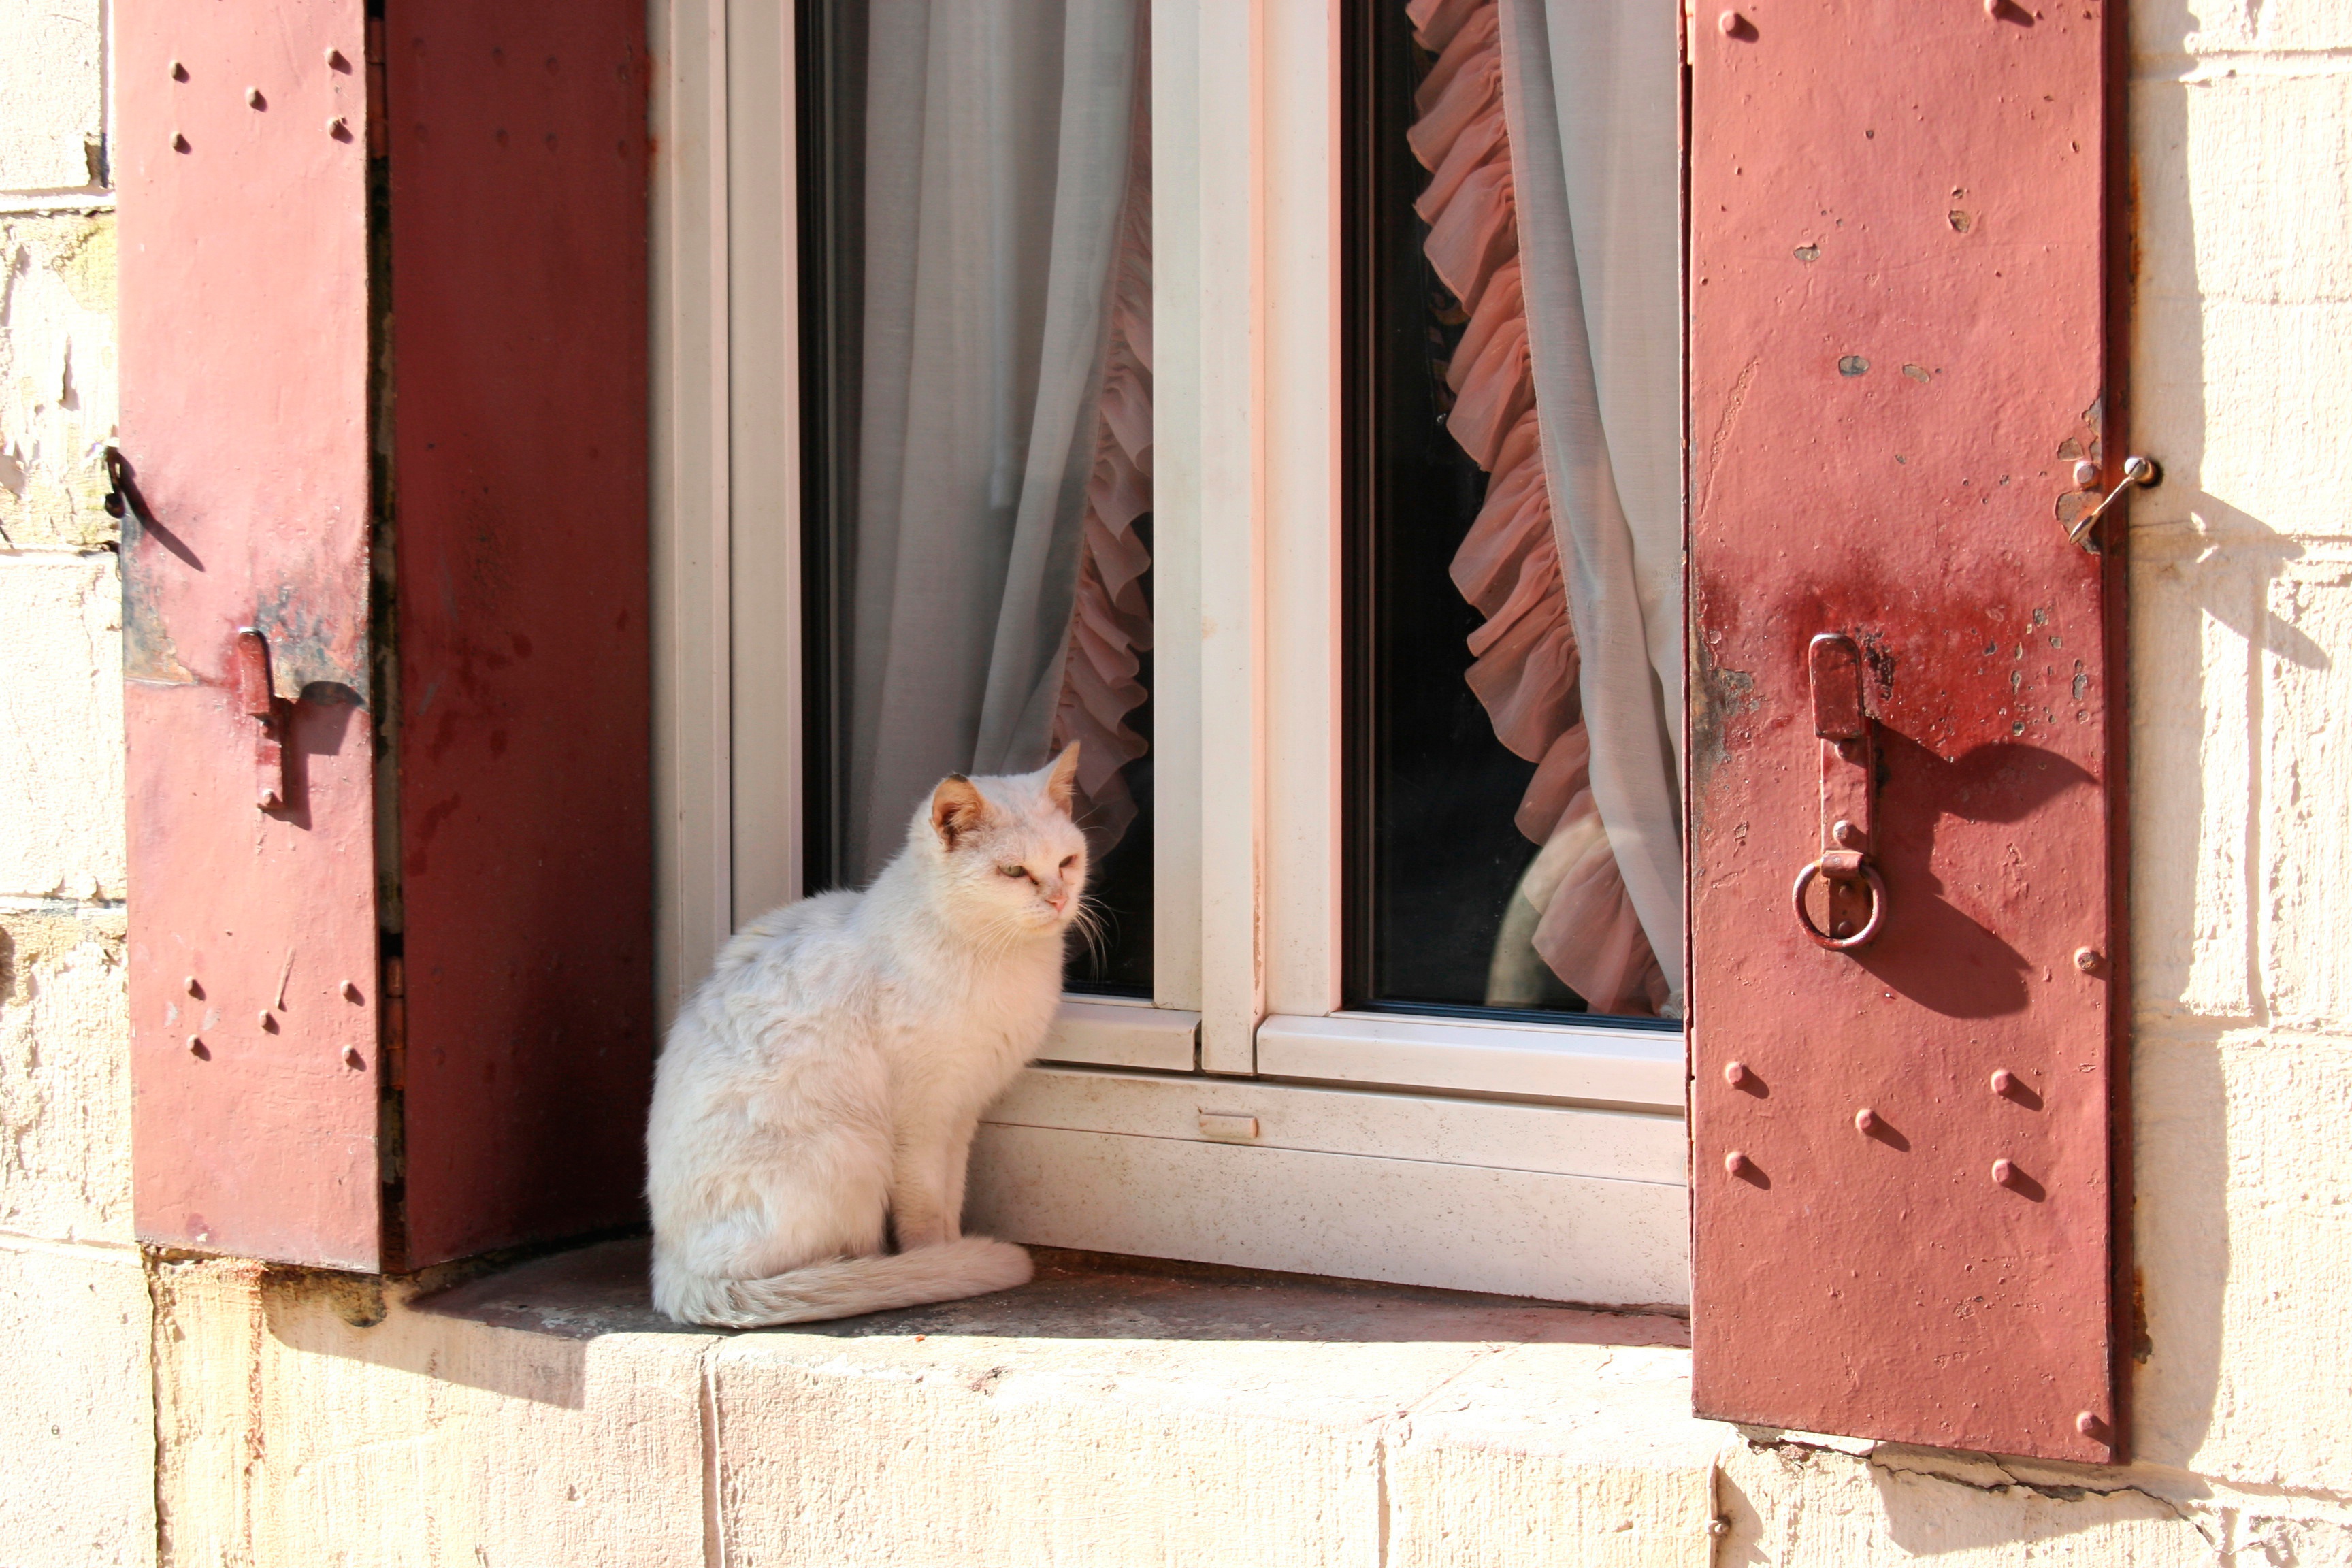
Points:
(1856, 894)
(2137, 471)
(272, 712)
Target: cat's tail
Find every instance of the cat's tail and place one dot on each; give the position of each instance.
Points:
(846, 1288)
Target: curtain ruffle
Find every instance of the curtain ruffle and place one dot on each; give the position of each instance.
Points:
(1524, 669)
(1110, 617)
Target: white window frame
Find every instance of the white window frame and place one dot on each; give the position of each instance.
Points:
(1242, 1115)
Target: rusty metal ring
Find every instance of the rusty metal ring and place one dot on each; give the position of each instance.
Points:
(1870, 927)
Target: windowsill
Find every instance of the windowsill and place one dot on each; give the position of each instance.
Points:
(1487, 1391)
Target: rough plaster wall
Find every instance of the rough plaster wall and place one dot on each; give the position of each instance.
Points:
(58, 378)
(77, 1450)
(2241, 639)
(52, 95)
(65, 1095)
(1796, 1505)
(61, 726)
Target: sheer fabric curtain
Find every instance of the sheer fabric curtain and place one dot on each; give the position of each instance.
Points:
(998, 144)
(1587, 91)
(1548, 129)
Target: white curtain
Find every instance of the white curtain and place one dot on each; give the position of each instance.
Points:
(996, 159)
(1589, 97)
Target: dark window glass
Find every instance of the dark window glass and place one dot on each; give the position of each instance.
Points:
(1466, 862)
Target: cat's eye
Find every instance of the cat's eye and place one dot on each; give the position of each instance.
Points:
(1012, 870)
(1069, 861)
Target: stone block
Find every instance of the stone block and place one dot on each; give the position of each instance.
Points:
(52, 96)
(1536, 1447)
(58, 378)
(2243, 1180)
(65, 1083)
(309, 1417)
(2306, 791)
(2196, 613)
(2241, 378)
(2166, 32)
(980, 1449)
(76, 1425)
(1794, 1506)
(61, 833)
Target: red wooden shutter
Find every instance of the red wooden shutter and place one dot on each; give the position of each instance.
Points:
(289, 406)
(1902, 1187)
(517, 135)
(244, 289)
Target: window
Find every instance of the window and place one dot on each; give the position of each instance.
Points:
(1294, 1052)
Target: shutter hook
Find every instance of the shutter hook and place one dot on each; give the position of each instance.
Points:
(271, 714)
(121, 491)
(2137, 470)
(1849, 799)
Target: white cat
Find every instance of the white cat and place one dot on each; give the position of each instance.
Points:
(833, 1068)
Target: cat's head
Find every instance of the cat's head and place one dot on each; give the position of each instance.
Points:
(1007, 854)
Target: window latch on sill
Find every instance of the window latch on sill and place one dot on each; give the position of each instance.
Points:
(260, 702)
(1857, 895)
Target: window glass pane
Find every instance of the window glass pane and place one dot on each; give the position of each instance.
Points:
(977, 238)
(1516, 509)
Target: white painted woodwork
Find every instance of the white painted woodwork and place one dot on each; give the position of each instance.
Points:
(1566, 1141)
(1177, 265)
(1110, 1031)
(693, 848)
(1474, 1227)
(1558, 1061)
(1305, 407)
(1226, 533)
(763, 416)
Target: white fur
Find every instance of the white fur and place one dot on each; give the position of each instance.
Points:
(832, 1070)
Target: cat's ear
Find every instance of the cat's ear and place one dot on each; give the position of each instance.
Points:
(957, 808)
(1063, 782)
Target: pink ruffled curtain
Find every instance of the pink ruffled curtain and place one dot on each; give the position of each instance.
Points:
(1584, 924)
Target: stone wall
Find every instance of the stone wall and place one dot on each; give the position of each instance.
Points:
(76, 1425)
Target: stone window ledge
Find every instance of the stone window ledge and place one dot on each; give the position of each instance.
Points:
(1115, 1412)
